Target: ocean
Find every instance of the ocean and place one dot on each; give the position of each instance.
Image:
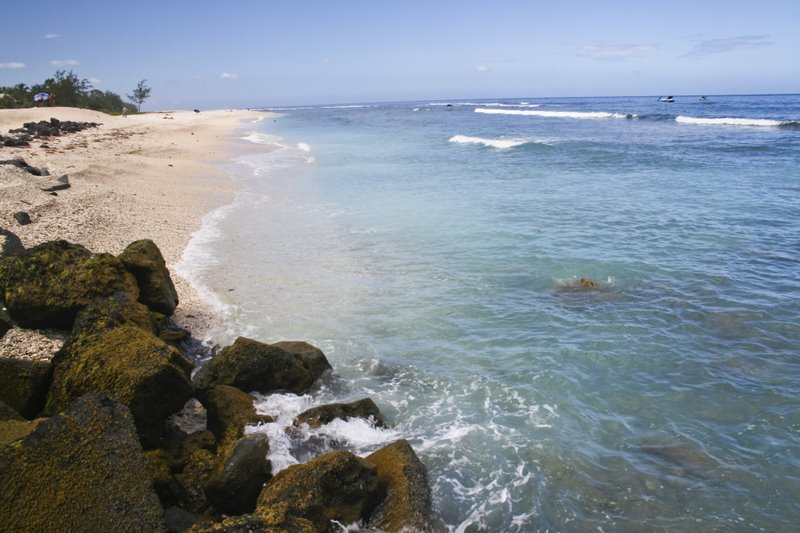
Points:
(435, 251)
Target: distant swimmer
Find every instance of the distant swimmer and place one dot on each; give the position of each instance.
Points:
(702, 98)
(668, 99)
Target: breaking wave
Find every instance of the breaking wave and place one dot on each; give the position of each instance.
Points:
(555, 114)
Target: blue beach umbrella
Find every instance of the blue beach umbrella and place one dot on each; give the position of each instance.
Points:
(41, 97)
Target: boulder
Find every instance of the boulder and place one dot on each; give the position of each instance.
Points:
(336, 486)
(129, 365)
(254, 366)
(324, 414)
(192, 482)
(228, 410)
(10, 245)
(47, 285)
(24, 384)
(407, 506)
(240, 471)
(144, 260)
(12, 430)
(108, 312)
(278, 521)
(82, 470)
(311, 356)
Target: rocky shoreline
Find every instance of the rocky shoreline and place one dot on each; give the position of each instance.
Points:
(89, 439)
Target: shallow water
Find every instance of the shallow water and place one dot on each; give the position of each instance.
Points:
(433, 252)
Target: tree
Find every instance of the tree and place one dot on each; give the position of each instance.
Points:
(140, 94)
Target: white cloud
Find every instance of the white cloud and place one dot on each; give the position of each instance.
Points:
(52, 35)
(228, 76)
(64, 62)
(482, 68)
(616, 52)
(95, 81)
(12, 65)
(728, 44)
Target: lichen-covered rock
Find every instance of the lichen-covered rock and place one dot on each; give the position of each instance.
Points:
(336, 486)
(325, 414)
(407, 506)
(10, 245)
(229, 410)
(192, 480)
(144, 260)
(130, 366)
(254, 366)
(111, 311)
(240, 471)
(47, 285)
(279, 522)
(311, 356)
(15, 429)
(24, 384)
(82, 470)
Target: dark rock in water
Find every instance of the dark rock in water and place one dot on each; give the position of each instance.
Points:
(311, 356)
(62, 183)
(24, 384)
(47, 285)
(240, 471)
(144, 260)
(130, 366)
(22, 218)
(324, 414)
(336, 486)
(254, 366)
(229, 410)
(8, 413)
(82, 470)
(407, 506)
(10, 245)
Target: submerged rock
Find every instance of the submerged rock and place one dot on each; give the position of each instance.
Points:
(336, 486)
(407, 506)
(144, 260)
(82, 470)
(129, 365)
(324, 414)
(47, 285)
(253, 366)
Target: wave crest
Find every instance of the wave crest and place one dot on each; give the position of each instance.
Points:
(732, 121)
(500, 144)
(555, 114)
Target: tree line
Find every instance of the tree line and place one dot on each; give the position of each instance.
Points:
(71, 91)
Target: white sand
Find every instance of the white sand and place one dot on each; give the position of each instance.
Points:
(139, 177)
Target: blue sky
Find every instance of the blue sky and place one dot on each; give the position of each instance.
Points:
(268, 53)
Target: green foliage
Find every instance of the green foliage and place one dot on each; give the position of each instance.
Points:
(140, 94)
(69, 90)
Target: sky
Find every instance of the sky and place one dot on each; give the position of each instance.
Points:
(204, 54)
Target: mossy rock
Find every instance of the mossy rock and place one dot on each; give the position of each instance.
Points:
(240, 471)
(83, 470)
(9, 413)
(407, 506)
(325, 414)
(15, 429)
(281, 522)
(193, 479)
(156, 290)
(129, 365)
(229, 410)
(108, 312)
(24, 384)
(335, 486)
(254, 366)
(47, 286)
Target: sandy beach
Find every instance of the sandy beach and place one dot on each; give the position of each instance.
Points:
(147, 176)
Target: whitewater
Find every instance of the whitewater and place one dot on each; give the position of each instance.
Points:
(441, 254)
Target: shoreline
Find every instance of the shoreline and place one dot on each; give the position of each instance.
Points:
(150, 175)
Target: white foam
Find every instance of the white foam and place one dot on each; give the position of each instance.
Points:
(257, 137)
(593, 115)
(729, 121)
(501, 144)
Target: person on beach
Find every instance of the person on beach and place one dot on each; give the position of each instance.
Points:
(124, 112)
(52, 99)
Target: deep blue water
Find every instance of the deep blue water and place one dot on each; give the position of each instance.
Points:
(434, 253)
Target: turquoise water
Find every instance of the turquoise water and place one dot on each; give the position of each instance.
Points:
(433, 252)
